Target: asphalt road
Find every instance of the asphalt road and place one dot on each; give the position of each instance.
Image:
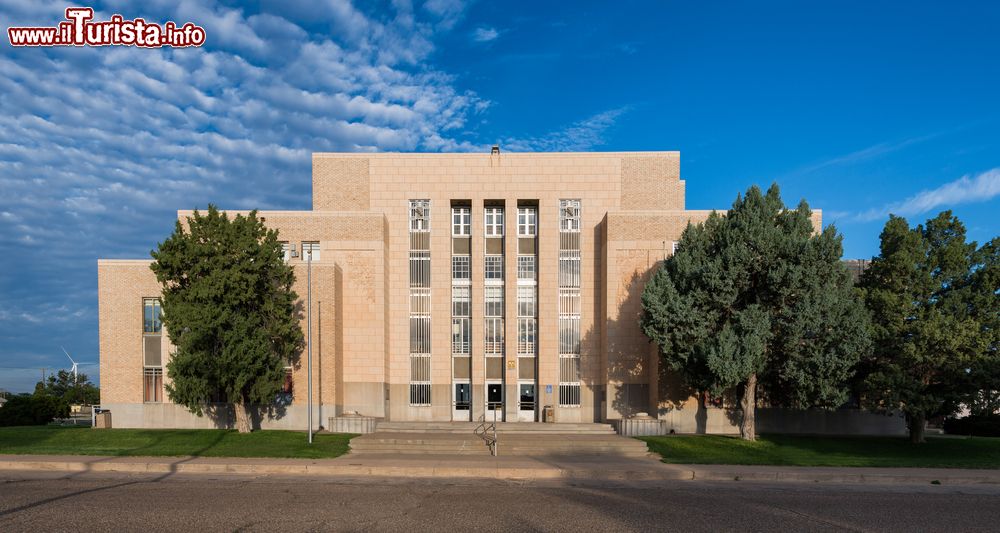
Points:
(37, 502)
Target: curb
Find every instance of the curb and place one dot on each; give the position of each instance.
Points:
(490, 472)
(660, 472)
(887, 478)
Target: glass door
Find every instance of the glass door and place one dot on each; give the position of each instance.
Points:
(462, 402)
(526, 404)
(494, 402)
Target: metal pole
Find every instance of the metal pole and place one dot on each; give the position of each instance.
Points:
(309, 352)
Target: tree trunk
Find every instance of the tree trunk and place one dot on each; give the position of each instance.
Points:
(748, 425)
(242, 416)
(916, 425)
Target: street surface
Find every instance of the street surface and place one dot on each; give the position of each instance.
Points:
(44, 501)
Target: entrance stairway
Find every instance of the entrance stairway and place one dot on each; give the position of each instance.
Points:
(513, 439)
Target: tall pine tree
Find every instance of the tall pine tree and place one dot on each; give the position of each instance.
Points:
(755, 300)
(229, 309)
(935, 308)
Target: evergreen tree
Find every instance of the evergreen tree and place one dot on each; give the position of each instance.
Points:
(72, 388)
(934, 305)
(229, 309)
(756, 300)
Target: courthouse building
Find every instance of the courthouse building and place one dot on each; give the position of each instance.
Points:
(446, 286)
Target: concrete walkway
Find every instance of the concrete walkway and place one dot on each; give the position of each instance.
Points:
(512, 468)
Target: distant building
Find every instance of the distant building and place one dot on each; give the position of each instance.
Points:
(857, 267)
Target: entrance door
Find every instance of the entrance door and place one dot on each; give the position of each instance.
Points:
(494, 401)
(461, 402)
(526, 403)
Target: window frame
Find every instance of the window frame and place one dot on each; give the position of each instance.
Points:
(570, 223)
(156, 373)
(461, 221)
(527, 222)
(493, 221)
(310, 249)
(461, 264)
(493, 268)
(523, 261)
(156, 320)
(420, 215)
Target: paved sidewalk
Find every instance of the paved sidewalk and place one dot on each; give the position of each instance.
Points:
(512, 468)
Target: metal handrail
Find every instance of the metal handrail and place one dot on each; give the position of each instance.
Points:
(488, 432)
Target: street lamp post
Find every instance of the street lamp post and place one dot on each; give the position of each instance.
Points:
(309, 353)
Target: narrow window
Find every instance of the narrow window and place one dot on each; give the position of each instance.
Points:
(420, 302)
(151, 321)
(570, 307)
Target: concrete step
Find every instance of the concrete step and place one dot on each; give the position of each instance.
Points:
(502, 428)
(535, 444)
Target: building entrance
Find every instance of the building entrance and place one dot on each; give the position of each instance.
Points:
(494, 401)
(461, 402)
(527, 406)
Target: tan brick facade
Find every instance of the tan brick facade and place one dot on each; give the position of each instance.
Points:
(632, 210)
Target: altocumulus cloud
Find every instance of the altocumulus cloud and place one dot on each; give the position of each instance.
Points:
(100, 146)
(966, 189)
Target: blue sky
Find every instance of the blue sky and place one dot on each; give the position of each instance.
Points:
(862, 108)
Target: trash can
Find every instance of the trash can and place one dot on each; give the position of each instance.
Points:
(549, 414)
(102, 420)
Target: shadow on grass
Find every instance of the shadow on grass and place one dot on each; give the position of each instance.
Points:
(786, 450)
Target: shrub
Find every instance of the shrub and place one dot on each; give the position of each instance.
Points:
(979, 426)
(32, 410)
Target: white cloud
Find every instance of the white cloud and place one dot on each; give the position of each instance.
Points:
(101, 146)
(964, 190)
(581, 136)
(485, 35)
(865, 154)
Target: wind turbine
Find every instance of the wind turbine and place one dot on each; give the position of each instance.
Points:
(75, 364)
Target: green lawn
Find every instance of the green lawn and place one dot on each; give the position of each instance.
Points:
(976, 452)
(53, 440)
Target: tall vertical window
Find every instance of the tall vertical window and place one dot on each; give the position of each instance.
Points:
(494, 336)
(527, 307)
(461, 305)
(286, 251)
(527, 221)
(461, 221)
(310, 249)
(526, 328)
(493, 324)
(494, 221)
(569, 303)
(420, 303)
(152, 356)
(151, 321)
